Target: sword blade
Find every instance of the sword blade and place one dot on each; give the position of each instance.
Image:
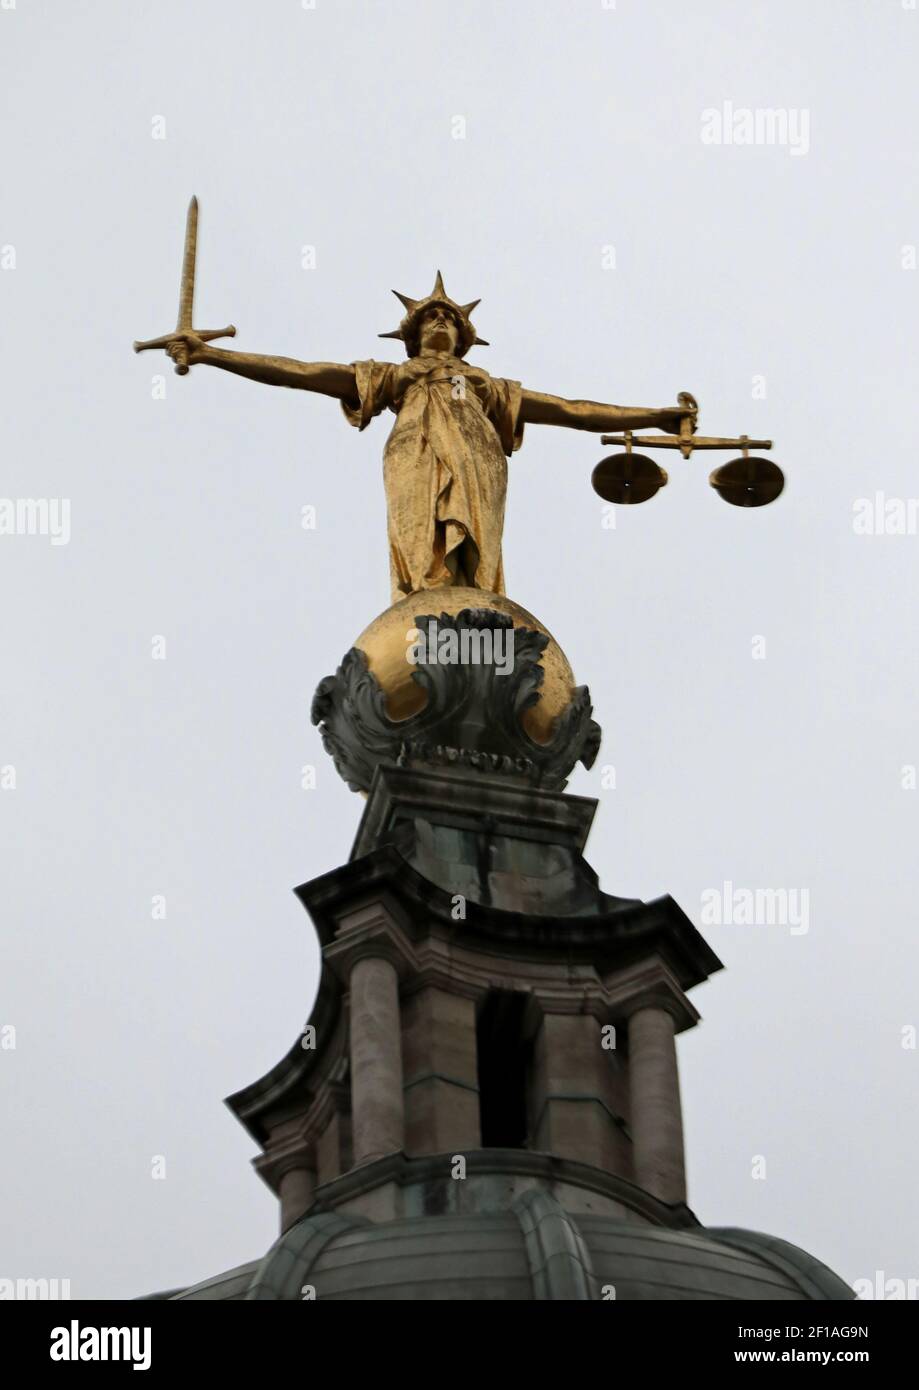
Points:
(187, 288)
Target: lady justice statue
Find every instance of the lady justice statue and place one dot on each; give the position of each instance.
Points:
(445, 476)
(444, 465)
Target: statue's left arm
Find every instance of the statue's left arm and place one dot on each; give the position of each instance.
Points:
(537, 408)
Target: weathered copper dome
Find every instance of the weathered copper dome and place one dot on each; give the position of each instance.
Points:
(528, 1247)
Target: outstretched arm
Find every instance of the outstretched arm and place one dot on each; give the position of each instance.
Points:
(537, 408)
(328, 378)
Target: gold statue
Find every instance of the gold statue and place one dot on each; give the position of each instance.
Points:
(444, 464)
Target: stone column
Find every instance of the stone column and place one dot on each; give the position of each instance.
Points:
(296, 1193)
(657, 1122)
(377, 1114)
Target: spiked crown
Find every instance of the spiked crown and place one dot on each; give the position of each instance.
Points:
(408, 328)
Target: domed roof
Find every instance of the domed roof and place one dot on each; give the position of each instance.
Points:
(535, 1249)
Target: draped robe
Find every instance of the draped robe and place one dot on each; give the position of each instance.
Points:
(444, 467)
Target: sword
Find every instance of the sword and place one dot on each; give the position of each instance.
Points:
(187, 299)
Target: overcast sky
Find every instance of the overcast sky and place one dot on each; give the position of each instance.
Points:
(755, 672)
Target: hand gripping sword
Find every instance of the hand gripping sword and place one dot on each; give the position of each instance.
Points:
(187, 299)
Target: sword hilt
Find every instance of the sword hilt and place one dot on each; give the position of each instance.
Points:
(207, 335)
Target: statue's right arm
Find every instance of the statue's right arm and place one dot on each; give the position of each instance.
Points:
(328, 378)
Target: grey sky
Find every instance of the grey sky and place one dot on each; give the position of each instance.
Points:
(334, 128)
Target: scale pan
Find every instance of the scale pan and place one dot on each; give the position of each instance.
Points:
(627, 478)
(748, 482)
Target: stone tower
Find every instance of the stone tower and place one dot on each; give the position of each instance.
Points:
(485, 1102)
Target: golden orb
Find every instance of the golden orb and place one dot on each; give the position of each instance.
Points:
(385, 643)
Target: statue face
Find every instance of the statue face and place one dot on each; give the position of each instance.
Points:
(438, 331)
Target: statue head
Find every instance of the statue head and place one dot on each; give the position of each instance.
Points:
(436, 323)
(438, 331)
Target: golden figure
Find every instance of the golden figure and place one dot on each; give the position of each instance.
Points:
(445, 464)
